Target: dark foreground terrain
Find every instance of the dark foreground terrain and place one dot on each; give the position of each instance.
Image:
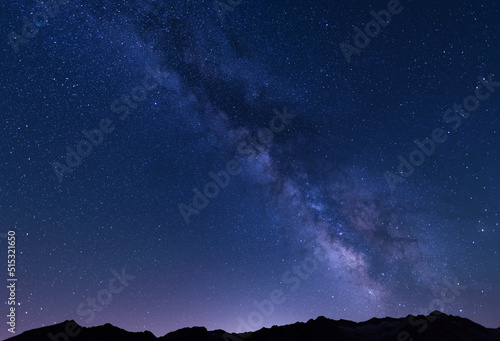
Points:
(435, 326)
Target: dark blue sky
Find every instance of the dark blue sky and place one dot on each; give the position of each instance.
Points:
(322, 194)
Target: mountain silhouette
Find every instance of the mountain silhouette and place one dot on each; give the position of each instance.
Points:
(433, 327)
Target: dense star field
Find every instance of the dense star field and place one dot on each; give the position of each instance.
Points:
(240, 164)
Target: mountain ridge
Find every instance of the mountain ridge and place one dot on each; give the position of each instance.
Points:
(435, 326)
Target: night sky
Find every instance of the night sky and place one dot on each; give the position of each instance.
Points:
(214, 156)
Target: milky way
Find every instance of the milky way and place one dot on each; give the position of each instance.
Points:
(234, 152)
